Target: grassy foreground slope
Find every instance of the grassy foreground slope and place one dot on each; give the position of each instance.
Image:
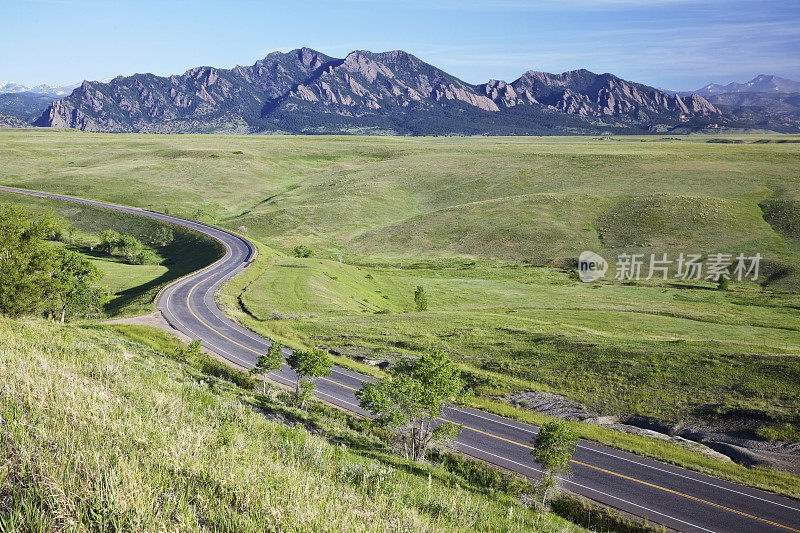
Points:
(105, 435)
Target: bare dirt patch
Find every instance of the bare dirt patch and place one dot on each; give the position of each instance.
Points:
(157, 320)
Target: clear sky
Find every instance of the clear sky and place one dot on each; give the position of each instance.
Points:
(675, 44)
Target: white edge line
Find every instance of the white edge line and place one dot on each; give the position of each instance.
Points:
(588, 488)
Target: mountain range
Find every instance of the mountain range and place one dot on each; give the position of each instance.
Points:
(305, 91)
(764, 98)
(25, 106)
(762, 83)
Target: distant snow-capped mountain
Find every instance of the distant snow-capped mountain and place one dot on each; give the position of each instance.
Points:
(762, 83)
(774, 93)
(49, 90)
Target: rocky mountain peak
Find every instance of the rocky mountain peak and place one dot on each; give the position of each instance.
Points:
(202, 75)
(501, 93)
(697, 104)
(366, 64)
(311, 58)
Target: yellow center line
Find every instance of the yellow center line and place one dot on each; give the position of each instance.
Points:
(610, 472)
(340, 384)
(689, 497)
(209, 327)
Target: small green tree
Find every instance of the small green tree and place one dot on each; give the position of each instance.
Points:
(723, 283)
(268, 362)
(553, 448)
(27, 263)
(162, 236)
(73, 290)
(109, 240)
(420, 298)
(129, 248)
(144, 257)
(302, 251)
(411, 400)
(308, 364)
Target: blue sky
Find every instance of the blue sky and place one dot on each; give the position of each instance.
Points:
(676, 44)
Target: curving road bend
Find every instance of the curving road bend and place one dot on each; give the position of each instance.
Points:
(674, 497)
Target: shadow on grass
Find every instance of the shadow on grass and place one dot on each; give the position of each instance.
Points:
(677, 285)
(187, 252)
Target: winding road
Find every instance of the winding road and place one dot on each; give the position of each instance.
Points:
(674, 497)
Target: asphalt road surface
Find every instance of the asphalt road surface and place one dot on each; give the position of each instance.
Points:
(664, 494)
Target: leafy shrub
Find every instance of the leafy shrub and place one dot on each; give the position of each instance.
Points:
(193, 356)
(302, 251)
(481, 475)
(420, 298)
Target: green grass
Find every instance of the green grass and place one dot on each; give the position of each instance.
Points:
(489, 226)
(387, 199)
(103, 434)
(156, 338)
(785, 432)
(120, 276)
(166, 344)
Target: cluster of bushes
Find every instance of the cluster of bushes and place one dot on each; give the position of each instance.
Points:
(128, 247)
(302, 251)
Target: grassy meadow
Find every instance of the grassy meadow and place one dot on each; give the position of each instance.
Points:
(393, 200)
(491, 227)
(618, 349)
